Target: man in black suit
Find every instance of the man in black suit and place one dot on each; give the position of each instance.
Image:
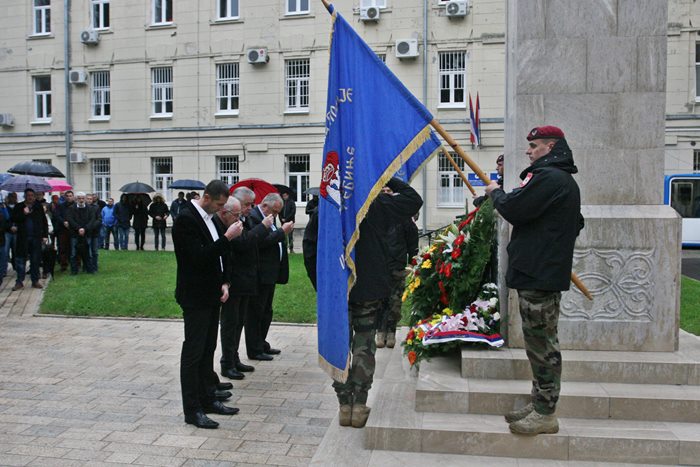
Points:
(202, 286)
(273, 268)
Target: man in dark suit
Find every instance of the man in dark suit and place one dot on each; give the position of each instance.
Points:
(30, 225)
(273, 268)
(202, 285)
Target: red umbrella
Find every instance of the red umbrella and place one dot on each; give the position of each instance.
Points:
(258, 185)
(59, 185)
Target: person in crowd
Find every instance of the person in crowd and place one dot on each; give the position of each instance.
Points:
(30, 226)
(545, 212)
(499, 169)
(288, 214)
(48, 248)
(244, 273)
(176, 205)
(139, 222)
(82, 223)
(159, 212)
(109, 225)
(401, 245)
(93, 236)
(273, 268)
(62, 230)
(372, 287)
(195, 195)
(202, 284)
(310, 241)
(122, 214)
(10, 236)
(4, 227)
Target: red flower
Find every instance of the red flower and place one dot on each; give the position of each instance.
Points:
(447, 270)
(426, 256)
(459, 240)
(413, 261)
(410, 335)
(443, 294)
(456, 253)
(412, 357)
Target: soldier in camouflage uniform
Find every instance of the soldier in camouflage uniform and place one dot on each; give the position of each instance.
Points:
(372, 287)
(545, 212)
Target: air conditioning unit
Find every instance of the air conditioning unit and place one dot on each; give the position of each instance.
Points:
(457, 8)
(7, 120)
(78, 77)
(77, 157)
(369, 13)
(407, 48)
(257, 55)
(89, 37)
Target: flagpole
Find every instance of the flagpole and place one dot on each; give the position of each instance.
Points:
(459, 171)
(327, 5)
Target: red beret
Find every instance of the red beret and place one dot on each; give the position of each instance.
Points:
(545, 132)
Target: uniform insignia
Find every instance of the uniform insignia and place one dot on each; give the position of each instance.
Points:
(526, 179)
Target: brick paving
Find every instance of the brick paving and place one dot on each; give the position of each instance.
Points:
(95, 392)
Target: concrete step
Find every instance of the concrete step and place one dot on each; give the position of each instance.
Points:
(394, 426)
(680, 367)
(440, 389)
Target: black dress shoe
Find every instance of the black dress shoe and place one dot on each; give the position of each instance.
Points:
(200, 420)
(272, 351)
(244, 368)
(262, 356)
(221, 409)
(222, 395)
(232, 373)
(224, 386)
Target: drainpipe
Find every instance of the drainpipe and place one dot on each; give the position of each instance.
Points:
(424, 174)
(66, 86)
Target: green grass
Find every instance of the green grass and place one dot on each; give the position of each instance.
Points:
(690, 305)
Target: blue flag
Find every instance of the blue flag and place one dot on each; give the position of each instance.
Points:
(375, 128)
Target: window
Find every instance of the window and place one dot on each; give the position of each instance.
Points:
(297, 85)
(101, 179)
(684, 197)
(382, 57)
(450, 185)
(42, 16)
(228, 9)
(377, 3)
(162, 168)
(42, 98)
(162, 11)
(452, 79)
(227, 81)
(162, 91)
(100, 14)
(696, 160)
(298, 175)
(227, 167)
(297, 7)
(697, 71)
(100, 97)
(45, 161)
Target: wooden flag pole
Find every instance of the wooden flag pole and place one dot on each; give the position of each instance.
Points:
(459, 171)
(327, 5)
(480, 173)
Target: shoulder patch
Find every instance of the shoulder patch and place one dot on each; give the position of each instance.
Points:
(526, 179)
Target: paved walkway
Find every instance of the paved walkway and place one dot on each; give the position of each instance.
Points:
(106, 392)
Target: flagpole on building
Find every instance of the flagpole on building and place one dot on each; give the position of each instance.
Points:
(459, 171)
(327, 5)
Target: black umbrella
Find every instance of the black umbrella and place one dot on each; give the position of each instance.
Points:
(283, 189)
(39, 169)
(187, 184)
(22, 182)
(132, 197)
(137, 187)
(313, 191)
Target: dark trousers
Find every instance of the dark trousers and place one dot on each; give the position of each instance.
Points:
(106, 232)
(159, 232)
(80, 254)
(259, 318)
(233, 314)
(33, 252)
(139, 237)
(197, 357)
(64, 248)
(310, 265)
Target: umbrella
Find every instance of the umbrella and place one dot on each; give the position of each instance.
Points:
(137, 187)
(4, 177)
(40, 169)
(283, 189)
(144, 197)
(313, 191)
(186, 184)
(22, 182)
(259, 186)
(59, 185)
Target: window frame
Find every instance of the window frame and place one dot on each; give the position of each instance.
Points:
(99, 13)
(161, 90)
(697, 72)
(165, 6)
(42, 99)
(696, 160)
(232, 175)
(229, 7)
(297, 82)
(161, 180)
(381, 4)
(301, 178)
(100, 95)
(452, 74)
(456, 194)
(297, 10)
(232, 84)
(41, 18)
(101, 178)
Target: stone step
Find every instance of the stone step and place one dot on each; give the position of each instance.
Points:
(680, 367)
(394, 426)
(441, 389)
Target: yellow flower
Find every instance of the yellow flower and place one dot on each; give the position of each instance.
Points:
(447, 311)
(427, 264)
(409, 342)
(416, 283)
(404, 296)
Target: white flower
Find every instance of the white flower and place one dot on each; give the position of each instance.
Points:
(496, 316)
(493, 302)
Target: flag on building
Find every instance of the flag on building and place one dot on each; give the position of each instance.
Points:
(375, 128)
(474, 121)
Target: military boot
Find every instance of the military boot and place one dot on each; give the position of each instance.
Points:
(519, 414)
(390, 339)
(345, 415)
(535, 424)
(379, 339)
(360, 414)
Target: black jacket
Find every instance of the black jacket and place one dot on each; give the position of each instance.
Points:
(243, 258)
(40, 226)
(122, 212)
(372, 266)
(158, 209)
(289, 210)
(310, 241)
(545, 212)
(199, 259)
(271, 268)
(139, 216)
(83, 218)
(402, 244)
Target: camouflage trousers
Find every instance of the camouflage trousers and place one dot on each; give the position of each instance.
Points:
(539, 310)
(390, 312)
(363, 316)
